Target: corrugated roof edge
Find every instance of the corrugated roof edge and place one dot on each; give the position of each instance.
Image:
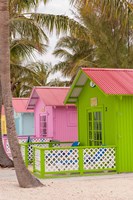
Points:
(19, 98)
(42, 87)
(82, 70)
(45, 87)
(97, 69)
(106, 69)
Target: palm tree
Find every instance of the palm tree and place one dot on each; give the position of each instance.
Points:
(24, 177)
(30, 27)
(109, 40)
(5, 161)
(75, 53)
(24, 78)
(40, 74)
(23, 44)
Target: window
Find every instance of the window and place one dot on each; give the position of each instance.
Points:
(71, 118)
(43, 125)
(95, 128)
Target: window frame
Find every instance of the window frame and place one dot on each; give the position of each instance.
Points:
(42, 134)
(93, 110)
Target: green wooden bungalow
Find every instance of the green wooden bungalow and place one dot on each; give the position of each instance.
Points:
(104, 100)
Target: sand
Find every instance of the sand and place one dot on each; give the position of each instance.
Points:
(107, 187)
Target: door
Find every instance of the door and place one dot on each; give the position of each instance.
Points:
(43, 125)
(95, 127)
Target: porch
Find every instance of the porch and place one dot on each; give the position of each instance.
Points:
(51, 159)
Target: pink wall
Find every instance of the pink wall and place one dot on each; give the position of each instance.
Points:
(65, 123)
(61, 121)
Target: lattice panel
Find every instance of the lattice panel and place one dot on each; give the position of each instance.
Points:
(37, 159)
(30, 150)
(23, 151)
(39, 140)
(22, 140)
(56, 145)
(7, 147)
(66, 144)
(62, 145)
(99, 158)
(61, 160)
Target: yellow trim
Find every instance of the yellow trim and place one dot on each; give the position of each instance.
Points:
(3, 124)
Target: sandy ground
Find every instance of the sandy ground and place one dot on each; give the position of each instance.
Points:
(107, 187)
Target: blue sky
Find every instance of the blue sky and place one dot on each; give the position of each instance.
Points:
(61, 7)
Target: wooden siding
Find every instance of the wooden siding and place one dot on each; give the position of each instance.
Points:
(106, 104)
(65, 123)
(125, 133)
(40, 108)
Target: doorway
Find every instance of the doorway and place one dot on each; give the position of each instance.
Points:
(95, 127)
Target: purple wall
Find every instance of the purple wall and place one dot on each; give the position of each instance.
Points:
(61, 121)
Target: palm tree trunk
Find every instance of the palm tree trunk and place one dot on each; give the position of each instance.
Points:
(25, 178)
(5, 161)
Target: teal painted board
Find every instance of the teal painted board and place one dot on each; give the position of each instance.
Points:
(28, 124)
(24, 123)
(17, 125)
(24, 119)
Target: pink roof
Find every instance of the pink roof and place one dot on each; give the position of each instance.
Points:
(51, 96)
(19, 105)
(112, 81)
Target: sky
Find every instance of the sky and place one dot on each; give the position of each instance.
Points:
(57, 7)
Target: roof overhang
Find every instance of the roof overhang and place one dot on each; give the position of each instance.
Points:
(33, 100)
(76, 88)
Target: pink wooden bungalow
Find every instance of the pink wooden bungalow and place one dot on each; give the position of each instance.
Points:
(52, 118)
(24, 119)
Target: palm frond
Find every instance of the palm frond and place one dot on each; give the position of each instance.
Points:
(23, 48)
(59, 23)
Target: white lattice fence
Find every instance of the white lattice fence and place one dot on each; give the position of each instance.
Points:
(8, 151)
(7, 147)
(61, 160)
(66, 144)
(40, 139)
(62, 144)
(37, 159)
(23, 151)
(99, 158)
(22, 140)
(30, 149)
